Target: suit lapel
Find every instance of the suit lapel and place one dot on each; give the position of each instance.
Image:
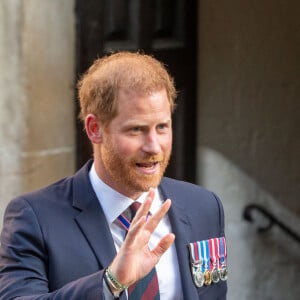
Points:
(181, 226)
(91, 219)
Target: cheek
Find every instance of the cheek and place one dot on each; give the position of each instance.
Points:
(128, 147)
(166, 143)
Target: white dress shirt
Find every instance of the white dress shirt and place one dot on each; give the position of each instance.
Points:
(114, 204)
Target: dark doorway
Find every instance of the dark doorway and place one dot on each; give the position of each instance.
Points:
(167, 29)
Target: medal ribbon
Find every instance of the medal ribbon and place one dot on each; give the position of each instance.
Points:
(219, 252)
(223, 250)
(207, 254)
(196, 251)
(224, 243)
(201, 246)
(205, 247)
(193, 251)
(216, 256)
(212, 253)
(196, 258)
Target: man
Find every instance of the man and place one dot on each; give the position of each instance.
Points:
(74, 240)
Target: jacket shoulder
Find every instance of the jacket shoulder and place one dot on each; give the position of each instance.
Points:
(182, 187)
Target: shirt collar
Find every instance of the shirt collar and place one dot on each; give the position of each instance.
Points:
(112, 202)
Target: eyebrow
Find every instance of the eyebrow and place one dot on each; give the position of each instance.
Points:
(143, 123)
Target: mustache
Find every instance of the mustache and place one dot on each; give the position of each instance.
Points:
(152, 158)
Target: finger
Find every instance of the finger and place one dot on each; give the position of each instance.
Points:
(135, 229)
(157, 217)
(145, 207)
(164, 244)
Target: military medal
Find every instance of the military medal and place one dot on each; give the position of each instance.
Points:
(223, 269)
(207, 277)
(207, 274)
(208, 261)
(198, 275)
(198, 266)
(215, 276)
(223, 273)
(196, 263)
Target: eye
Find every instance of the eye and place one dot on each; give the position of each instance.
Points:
(136, 129)
(162, 126)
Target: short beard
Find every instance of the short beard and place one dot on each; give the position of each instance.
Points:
(123, 173)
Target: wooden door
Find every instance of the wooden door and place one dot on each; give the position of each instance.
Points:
(166, 29)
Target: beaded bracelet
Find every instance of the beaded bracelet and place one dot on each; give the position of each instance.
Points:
(114, 282)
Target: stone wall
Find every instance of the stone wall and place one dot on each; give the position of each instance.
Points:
(37, 106)
(249, 145)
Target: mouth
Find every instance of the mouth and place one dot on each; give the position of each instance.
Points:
(148, 168)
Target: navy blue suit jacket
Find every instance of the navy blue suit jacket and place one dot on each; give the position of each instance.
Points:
(55, 242)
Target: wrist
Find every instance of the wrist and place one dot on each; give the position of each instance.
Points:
(115, 287)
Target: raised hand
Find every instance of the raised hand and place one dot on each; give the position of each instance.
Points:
(134, 259)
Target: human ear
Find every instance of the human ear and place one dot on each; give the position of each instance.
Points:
(93, 129)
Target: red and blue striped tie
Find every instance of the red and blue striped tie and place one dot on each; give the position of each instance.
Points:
(147, 287)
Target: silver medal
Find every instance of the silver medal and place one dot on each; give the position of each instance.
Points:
(223, 273)
(198, 277)
(215, 276)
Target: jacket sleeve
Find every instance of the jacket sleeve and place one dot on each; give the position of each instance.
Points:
(24, 261)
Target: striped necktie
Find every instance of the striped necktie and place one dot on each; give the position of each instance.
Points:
(147, 287)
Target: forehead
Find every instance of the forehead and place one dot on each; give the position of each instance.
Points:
(155, 100)
(140, 106)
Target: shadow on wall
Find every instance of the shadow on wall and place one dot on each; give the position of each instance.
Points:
(262, 139)
(258, 263)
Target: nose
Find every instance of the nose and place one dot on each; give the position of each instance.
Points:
(151, 143)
